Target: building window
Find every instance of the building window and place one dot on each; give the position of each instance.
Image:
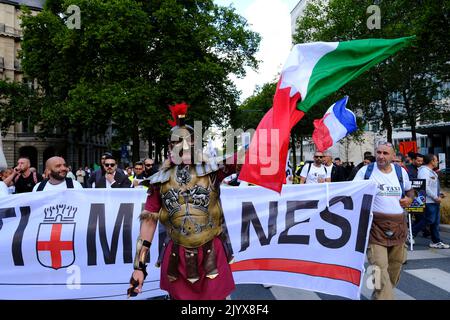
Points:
(27, 127)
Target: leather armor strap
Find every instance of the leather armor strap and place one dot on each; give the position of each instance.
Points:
(142, 254)
(162, 250)
(191, 256)
(209, 260)
(172, 269)
(227, 246)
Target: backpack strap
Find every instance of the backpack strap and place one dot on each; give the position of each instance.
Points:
(42, 185)
(69, 183)
(398, 171)
(369, 171)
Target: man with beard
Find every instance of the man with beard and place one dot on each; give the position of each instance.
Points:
(112, 178)
(184, 195)
(386, 250)
(22, 178)
(97, 174)
(150, 167)
(57, 177)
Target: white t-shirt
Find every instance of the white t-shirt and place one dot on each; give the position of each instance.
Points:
(59, 186)
(315, 173)
(389, 193)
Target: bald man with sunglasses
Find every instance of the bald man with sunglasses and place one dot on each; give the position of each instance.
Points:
(386, 251)
(315, 172)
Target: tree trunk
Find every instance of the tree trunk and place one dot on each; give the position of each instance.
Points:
(135, 148)
(294, 155)
(301, 148)
(150, 144)
(413, 131)
(387, 119)
(412, 122)
(158, 148)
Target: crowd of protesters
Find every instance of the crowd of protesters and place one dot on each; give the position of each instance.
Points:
(24, 178)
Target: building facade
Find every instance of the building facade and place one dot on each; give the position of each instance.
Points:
(21, 138)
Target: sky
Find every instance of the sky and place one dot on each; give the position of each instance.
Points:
(272, 20)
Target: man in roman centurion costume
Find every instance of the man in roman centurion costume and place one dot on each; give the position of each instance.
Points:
(184, 196)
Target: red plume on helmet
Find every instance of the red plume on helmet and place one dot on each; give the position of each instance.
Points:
(178, 111)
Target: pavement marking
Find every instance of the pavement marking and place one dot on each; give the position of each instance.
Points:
(400, 295)
(425, 254)
(436, 277)
(286, 293)
(367, 293)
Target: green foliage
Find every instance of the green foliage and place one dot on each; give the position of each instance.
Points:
(15, 104)
(402, 88)
(253, 109)
(131, 59)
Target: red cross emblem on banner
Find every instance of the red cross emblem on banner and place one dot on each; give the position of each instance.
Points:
(55, 245)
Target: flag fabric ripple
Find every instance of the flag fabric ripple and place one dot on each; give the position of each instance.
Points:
(312, 72)
(337, 123)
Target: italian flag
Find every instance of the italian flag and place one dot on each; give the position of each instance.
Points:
(312, 72)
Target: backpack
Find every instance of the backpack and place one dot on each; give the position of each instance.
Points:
(398, 171)
(69, 184)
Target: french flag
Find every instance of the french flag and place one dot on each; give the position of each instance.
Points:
(337, 122)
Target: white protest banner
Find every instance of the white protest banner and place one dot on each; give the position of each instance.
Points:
(73, 244)
(79, 244)
(312, 237)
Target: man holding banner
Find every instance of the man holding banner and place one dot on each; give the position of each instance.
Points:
(184, 195)
(386, 250)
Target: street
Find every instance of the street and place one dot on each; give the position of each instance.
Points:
(425, 276)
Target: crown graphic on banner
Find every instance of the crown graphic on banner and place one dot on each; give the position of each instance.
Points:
(63, 211)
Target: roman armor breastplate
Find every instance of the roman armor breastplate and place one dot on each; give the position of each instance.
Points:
(190, 210)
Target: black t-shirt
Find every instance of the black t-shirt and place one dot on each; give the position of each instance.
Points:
(26, 184)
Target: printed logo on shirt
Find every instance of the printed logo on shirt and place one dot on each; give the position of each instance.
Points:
(388, 191)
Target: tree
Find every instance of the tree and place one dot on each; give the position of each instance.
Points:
(131, 59)
(253, 109)
(405, 84)
(15, 104)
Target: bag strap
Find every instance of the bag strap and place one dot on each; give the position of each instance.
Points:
(69, 183)
(369, 171)
(42, 185)
(398, 171)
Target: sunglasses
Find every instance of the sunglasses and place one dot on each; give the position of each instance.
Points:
(319, 157)
(148, 165)
(109, 164)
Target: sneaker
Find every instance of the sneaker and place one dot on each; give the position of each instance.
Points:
(410, 240)
(439, 245)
